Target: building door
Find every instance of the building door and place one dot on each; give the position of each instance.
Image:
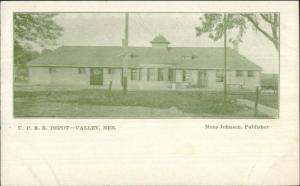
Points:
(96, 76)
(202, 79)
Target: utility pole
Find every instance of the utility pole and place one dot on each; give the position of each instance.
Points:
(126, 53)
(125, 44)
(225, 58)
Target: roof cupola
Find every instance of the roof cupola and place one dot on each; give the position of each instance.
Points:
(160, 42)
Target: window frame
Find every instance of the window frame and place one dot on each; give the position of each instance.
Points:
(149, 72)
(160, 74)
(219, 76)
(171, 74)
(135, 74)
(239, 73)
(250, 73)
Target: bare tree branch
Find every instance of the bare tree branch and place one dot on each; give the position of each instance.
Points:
(266, 19)
(255, 24)
(212, 24)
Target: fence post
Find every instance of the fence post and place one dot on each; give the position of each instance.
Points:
(256, 100)
(109, 88)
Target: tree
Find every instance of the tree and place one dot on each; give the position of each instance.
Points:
(217, 25)
(36, 29)
(265, 23)
(33, 31)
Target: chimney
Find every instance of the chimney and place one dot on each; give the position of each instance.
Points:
(125, 40)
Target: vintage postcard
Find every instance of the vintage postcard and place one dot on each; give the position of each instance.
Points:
(137, 67)
(149, 93)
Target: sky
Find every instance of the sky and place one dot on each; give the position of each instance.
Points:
(107, 29)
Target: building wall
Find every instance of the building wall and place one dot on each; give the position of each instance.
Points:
(190, 80)
(145, 81)
(58, 76)
(244, 80)
(71, 76)
(233, 81)
(114, 75)
(39, 75)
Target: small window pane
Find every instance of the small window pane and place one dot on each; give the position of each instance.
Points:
(151, 74)
(171, 75)
(250, 73)
(239, 73)
(134, 74)
(219, 76)
(160, 75)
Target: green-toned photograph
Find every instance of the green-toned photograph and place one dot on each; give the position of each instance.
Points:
(146, 65)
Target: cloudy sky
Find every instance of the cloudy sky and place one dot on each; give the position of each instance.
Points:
(107, 29)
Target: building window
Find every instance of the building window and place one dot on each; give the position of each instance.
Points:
(134, 74)
(81, 70)
(219, 76)
(148, 74)
(151, 74)
(239, 73)
(140, 74)
(171, 74)
(160, 75)
(184, 75)
(52, 70)
(250, 73)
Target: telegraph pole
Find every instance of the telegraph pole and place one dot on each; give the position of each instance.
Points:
(225, 58)
(125, 59)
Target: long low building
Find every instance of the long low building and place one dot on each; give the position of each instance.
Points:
(159, 66)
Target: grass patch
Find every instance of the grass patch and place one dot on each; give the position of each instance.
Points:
(270, 100)
(188, 102)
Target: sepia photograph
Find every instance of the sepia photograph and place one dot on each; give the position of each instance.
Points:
(146, 65)
(149, 93)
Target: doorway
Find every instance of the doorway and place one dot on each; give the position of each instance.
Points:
(202, 79)
(96, 76)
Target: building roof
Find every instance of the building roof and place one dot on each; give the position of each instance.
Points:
(160, 39)
(113, 56)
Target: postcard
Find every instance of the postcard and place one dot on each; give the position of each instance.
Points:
(149, 93)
